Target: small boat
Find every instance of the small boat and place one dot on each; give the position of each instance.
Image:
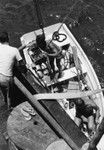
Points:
(77, 74)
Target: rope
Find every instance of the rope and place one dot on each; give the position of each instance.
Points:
(64, 19)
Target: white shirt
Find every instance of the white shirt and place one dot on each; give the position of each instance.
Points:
(8, 56)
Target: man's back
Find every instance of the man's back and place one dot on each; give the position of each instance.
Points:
(8, 56)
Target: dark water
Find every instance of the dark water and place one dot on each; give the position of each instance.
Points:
(84, 18)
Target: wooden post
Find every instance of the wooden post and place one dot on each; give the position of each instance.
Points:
(46, 115)
(67, 95)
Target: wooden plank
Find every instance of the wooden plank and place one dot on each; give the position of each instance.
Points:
(60, 130)
(59, 114)
(68, 74)
(67, 95)
(65, 122)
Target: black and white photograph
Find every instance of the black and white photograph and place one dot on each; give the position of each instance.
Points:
(51, 75)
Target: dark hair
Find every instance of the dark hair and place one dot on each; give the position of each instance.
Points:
(4, 37)
(80, 102)
(40, 40)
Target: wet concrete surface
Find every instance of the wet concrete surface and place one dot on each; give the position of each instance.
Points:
(85, 20)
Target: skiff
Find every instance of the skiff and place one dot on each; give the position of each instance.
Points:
(78, 75)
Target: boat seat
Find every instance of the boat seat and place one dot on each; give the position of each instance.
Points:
(70, 73)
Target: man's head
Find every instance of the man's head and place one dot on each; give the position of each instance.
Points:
(4, 37)
(40, 40)
(80, 103)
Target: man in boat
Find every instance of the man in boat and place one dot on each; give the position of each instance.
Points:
(87, 112)
(53, 51)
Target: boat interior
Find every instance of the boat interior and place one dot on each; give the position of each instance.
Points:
(73, 73)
